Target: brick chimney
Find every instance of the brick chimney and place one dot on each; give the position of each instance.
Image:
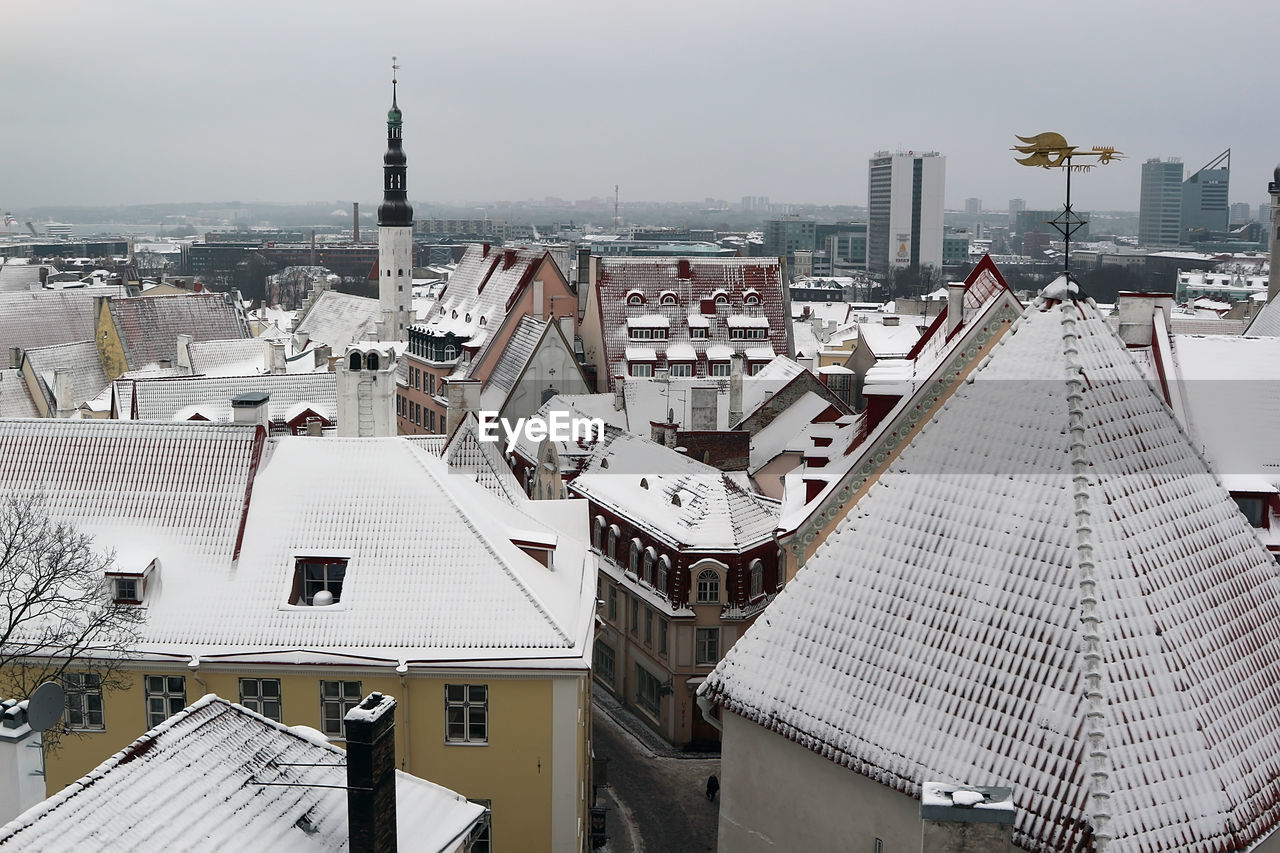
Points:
(966, 819)
(371, 775)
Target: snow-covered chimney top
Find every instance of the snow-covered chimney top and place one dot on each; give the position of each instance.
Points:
(965, 818)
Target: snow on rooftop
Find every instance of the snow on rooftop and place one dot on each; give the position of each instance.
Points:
(953, 608)
(195, 781)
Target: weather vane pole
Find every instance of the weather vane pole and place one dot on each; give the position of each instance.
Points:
(1051, 151)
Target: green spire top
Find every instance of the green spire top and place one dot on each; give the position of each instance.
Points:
(393, 115)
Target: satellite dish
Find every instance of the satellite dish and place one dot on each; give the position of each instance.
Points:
(45, 707)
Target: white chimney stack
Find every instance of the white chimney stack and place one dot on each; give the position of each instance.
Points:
(955, 305)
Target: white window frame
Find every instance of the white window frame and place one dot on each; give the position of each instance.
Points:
(170, 691)
(260, 699)
(680, 368)
(720, 368)
(83, 691)
(466, 706)
(708, 581)
(706, 646)
(336, 699)
(641, 369)
(756, 572)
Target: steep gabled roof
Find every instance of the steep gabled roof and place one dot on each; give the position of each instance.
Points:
(465, 453)
(80, 359)
(947, 629)
(340, 319)
(236, 357)
(1266, 323)
(15, 397)
(149, 325)
(217, 776)
(41, 318)
(515, 354)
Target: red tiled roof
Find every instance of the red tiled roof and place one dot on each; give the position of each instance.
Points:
(703, 279)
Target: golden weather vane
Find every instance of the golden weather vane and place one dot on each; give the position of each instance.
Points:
(1050, 150)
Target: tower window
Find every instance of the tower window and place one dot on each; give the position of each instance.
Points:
(354, 363)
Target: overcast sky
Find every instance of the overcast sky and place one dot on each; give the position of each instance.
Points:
(138, 102)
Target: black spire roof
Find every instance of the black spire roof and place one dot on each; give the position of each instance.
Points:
(395, 209)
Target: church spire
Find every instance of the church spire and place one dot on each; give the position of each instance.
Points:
(395, 209)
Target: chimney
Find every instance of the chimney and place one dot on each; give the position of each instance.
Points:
(21, 760)
(63, 394)
(484, 250)
(15, 358)
(961, 819)
(1137, 312)
(566, 327)
(314, 427)
(508, 258)
(355, 222)
(664, 434)
(464, 396)
(182, 353)
(371, 775)
(275, 358)
(322, 356)
(250, 408)
(955, 305)
(735, 389)
(683, 270)
(619, 393)
(891, 320)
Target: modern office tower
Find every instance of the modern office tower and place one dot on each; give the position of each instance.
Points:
(1016, 206)
(1160, 207)
(1204, 195)
(973, 206)
(904, 205)
(1241, 213)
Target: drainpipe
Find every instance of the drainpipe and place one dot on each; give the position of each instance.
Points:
(194, 666)
(402, 669)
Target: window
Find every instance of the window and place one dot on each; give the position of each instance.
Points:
(662, 637)
(482, 842)
(336, 699)
(166, 695)
(719, 368)
(604, 663)
(650, 557)
(634, 562)
(698, 333)
(1253, 509)
(314, 574)
(668, 299)
(708, 587)
(597, 533)
(752, 299)
(261, 695)
(648, 691)
(639, 334)
(466, 708)
(613, 603)
(706, 646)
(450, 352)
(681, 368)
(635, 615)
(721, 299)
(648, 626)
(756, 571)
(126, 590)
(635, 299)
(614, 534)
(354, 363)
(644, 369)
(664, 567)
(755, 368)
(83, 691)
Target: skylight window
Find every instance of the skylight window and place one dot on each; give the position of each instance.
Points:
(317, 581)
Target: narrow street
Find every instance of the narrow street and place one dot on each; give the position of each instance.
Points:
(657, 803)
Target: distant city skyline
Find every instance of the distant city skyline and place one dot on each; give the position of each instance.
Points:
(136, 102)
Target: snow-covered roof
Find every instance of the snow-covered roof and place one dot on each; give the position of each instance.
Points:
(41, 318)
(888, 341)
(433, 575)
(15, 397)
(693, 281)
(149, 325)
(1266, 323)
(641, 479)
(340, 319)
(515, 354)
(946, 629)
(82, 362)
(791, 430)
(163, 399)
(196, 781)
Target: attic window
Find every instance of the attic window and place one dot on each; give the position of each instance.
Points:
(312, 575)
(468, 318)
(644, 483)
(483, 321)
(635, 299)
(752, 299)
(668, 299)
(721, 299)
(126, 590)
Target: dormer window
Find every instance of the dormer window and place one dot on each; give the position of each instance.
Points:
(315, 575)
(634, 298)
(668, 298)
(698, 333)
(129, 586)
(752, 299)
(721, 299)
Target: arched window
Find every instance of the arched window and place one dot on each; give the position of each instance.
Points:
(635, 299)
(371, 362)
(650, 556)
(752, 299)
(756, 571)
(354, 361)
(614, 535)
(721, 299)
(597, 533)
(708, 587)
(450, 352)
(668, 299)
(664, 570)
(634, 562)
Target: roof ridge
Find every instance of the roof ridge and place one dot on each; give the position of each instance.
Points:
(1095, 731)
